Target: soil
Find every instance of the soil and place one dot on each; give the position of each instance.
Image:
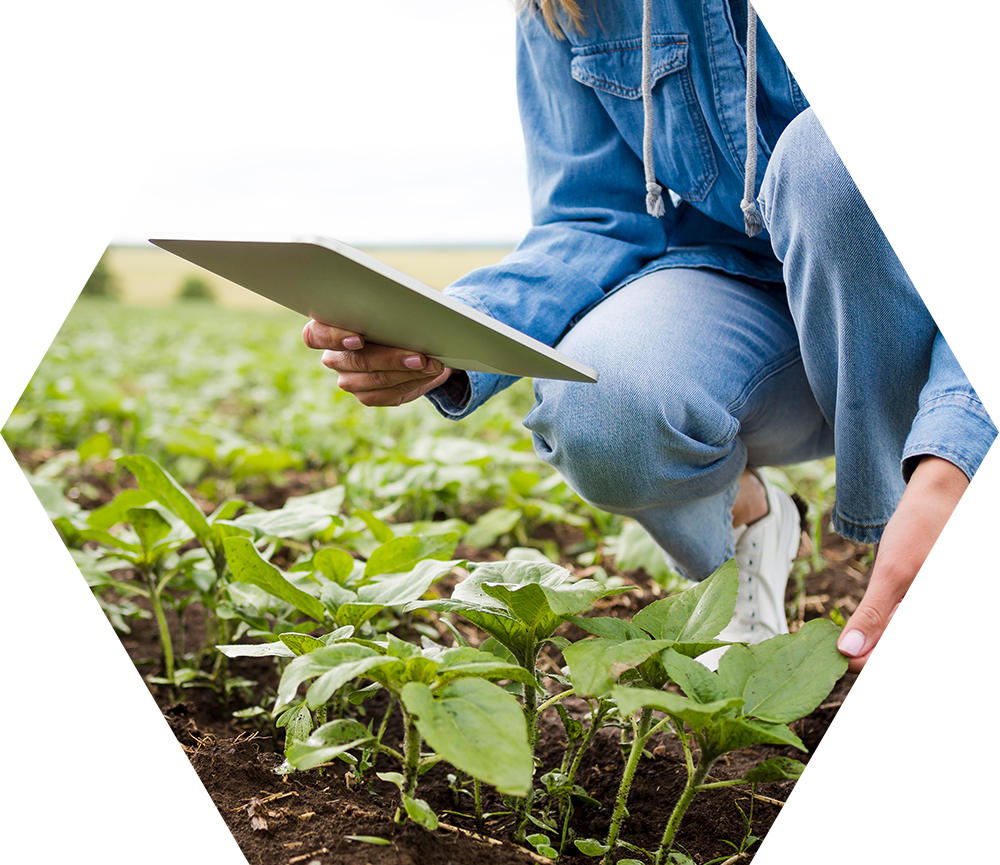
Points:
(310, 817)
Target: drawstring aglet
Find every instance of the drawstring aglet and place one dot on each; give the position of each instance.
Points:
(751, 218)
(654, 200)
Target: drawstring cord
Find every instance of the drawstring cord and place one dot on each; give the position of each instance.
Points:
(654, 192)
(751, 216)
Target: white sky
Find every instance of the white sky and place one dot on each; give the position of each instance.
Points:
(395, 128)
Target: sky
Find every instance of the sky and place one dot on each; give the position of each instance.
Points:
(386, 122)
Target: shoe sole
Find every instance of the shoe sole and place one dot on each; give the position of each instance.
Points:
(968, 757)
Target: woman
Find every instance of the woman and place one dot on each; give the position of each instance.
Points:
(698, 241)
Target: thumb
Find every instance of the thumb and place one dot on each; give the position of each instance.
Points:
(867, 624)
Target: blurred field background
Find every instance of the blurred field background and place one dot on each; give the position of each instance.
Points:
(148, 276)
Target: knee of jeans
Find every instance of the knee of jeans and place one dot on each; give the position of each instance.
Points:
(624, 451)
(843, 161)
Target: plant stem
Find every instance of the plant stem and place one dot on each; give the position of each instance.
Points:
(553, 700)
(639, 739)
(478, 792)
(161, 622)
(705, 762)
(523, 808)
(411, 754)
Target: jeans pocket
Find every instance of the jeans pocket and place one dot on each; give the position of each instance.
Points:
(881, 49)
(682, 148)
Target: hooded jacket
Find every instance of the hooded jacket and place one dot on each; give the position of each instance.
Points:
(581, 106)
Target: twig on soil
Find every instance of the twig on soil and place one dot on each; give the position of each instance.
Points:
(739, 857)
(447, 827)
(305, 856)
(790, 806)
(836, 704)
(264, 800)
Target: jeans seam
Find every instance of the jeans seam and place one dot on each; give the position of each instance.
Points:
(955, 396)
(780, 364)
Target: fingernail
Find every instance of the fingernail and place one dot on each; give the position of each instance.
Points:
(852, 643)
(353, 343)
(414, 361)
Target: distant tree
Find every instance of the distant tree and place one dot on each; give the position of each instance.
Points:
(61, 259)
(196, 288)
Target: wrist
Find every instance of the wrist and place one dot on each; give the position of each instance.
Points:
(938, 480)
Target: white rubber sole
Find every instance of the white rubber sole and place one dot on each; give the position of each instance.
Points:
(967, 757)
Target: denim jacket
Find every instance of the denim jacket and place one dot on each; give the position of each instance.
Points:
(582, 117)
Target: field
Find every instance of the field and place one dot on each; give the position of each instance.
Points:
(282, 519)
(150, 277)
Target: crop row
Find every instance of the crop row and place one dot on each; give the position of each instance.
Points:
(322, 588)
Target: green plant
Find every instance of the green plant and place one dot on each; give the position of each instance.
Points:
(521, 604)
(196, 288)
(446, 696)
(757, 691)
(60, 259)
(45, 818)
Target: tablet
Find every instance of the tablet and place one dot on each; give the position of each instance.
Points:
(338, 285)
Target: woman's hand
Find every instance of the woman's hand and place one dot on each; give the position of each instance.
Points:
(930, 497)
(378, 375)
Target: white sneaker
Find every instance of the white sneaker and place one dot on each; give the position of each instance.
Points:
(765, 551)
(922, 717)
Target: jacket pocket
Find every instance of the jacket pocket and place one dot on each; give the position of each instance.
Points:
(682, 148)
(882, 50)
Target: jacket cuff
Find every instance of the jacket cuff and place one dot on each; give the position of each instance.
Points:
(465, 391)
(954, 426)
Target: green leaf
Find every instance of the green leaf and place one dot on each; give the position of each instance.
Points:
(609, 628)
(775, 769)
(257, 650)
(401, 554)
(490, 526)
(697, 614)
(13, 768)
(478, 728)
(591, 847)
(796, 678)
(147, 821)
(300, 644)
(695, 714)
(329, 682)
(420, 812)
(327, 742)
(334, 564)
(395, 590)
(368, 839)
(731, 734)
(694, 678)
(114, 512)
(98, 445)
(100, 778)
(813, 855)
(154, 479)
(298, 725)
(149, 526)
(383, 534)
(596, 664)
(315, 664)
(248, 567)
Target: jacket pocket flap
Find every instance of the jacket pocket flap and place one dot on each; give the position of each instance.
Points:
(617, 67)
(856, 43)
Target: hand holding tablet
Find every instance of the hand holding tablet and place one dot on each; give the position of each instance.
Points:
(342, 287)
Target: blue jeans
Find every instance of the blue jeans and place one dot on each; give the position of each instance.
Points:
(703, 374)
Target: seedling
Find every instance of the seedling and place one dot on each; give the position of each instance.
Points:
(521, 604)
